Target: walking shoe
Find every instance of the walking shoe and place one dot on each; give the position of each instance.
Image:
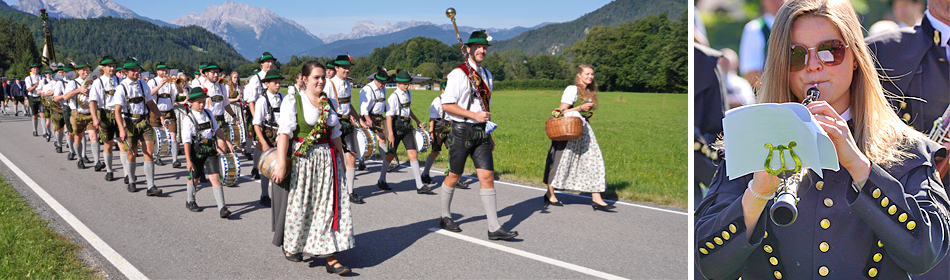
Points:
(354, 198)
(225, 212)
(84, 158)
(47, 136)
(383, 186)
(460, 185)
(176, 164)
(59, 149)
(34, 134)
(71, 156)
(255, 174)
(109, 177)
(125, 180)
(159, 162)
(193, 207)
(265, 200)
(80, 164)
(449, 225)
(100, 166)
(424, 189)
(502, 233)
(426, 179)
(337, 269)
(298, 257)
(131, 187)
(153, 191)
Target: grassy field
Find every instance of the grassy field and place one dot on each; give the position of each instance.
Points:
(31, 250)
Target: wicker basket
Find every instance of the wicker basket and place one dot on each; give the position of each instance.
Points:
(564, 128)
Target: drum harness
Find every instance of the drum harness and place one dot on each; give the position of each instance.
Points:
(270, 124)
(142, 122)
(204, 147)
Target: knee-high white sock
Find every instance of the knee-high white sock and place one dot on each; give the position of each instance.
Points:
(95, 150)
(446, 198)
(429, 162)
(85, 143)
(59, 139)
(48, 130)
(108, 157)
(125, 163)
(350, 177)
(174, 150)
(219, 196)
(70, 141)
(149, 174)
(488, 201)
(415, 173)
(35, 122)
(131, 172)
(382, 170)
(191, 192)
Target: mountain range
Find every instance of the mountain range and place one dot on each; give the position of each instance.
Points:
(82, 9)
(252, 30)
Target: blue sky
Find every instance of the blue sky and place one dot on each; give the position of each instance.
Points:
(331, 17)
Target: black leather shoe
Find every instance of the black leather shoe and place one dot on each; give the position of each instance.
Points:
(176, 164)
(298, 257)
(109, 177)
(605, 207)
(80, 164)
(361, 166)
(153, 191)
(225, 212)
(337, 269)
(265, 200)
(424, 189)
(59, 149)
(71, 156)
(131, 187)
(449, 225)
(47, 136)
(100, 166)
(34, 134)
(354, 198)
(125, 180)
(502, 233)
(383, 186)
(426, 179)
(84, 158)
(159, 162)
(255, 174)
(460, 185)
(547, 200)
(193, 207)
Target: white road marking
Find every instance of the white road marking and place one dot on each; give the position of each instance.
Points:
(532, 256)
(117, 260)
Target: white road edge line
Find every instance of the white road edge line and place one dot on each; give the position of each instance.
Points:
(117, 260)
(533, 256)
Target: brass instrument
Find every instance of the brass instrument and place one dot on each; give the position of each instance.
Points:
(171, 79)
(222, 81)
(784, 210)
(940, 133)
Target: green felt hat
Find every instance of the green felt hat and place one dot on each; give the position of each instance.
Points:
(479, 37)
(343, 60)
(403, 76)
(272, 75)
(131, 64)
(34, 65)
(68, 68)
(211, 65)
(81, 65)
(197, 92)
(381, 75)
(265, 56)
(48, 71)
(106, 60)
(161, 65)
(330, 64)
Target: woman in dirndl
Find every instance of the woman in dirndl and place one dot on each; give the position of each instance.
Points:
(318, 220)
(577, 165)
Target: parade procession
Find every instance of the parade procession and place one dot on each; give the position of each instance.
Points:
(312, 145)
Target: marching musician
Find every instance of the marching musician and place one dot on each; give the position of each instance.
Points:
(101, 94)
(340, 92)
(134, 107)
(265, 127)
(33, 83)
(204, 141)
(401, 130)
(882, 215)
(163, 92)
(373, 106)
(45, 91)
(468, 135)
(57, 108)
(81, 118)
(439, 130)
(252, 92)
(217, 98)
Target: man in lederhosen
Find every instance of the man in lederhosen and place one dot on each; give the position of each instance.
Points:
(399, 126)
(58, 109)
(33, 83)
(204, 141)
(468, 109)
(100, 95)
(217, 100)
(373, 106)
(133, 105)
(46, 91)
(78, 94)
(265, 125)
(163, 93)
(340, 92)
(252, 92)
(438, 130)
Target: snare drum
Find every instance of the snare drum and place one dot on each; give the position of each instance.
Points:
(422, 140)
(365, 142)
(230, 169)
(162, 142)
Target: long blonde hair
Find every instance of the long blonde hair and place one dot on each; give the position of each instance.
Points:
(877, 131)
(588, 92)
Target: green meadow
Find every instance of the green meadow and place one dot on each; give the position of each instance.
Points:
(642, 137)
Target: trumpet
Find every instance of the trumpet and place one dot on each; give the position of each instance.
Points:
(784, 210)
(177, 81)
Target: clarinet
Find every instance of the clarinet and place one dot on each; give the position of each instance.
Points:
(784, 210)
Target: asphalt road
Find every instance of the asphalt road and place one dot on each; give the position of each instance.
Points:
(396, 231)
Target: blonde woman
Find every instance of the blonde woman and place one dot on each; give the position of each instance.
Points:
(578, 165)
(883, 215)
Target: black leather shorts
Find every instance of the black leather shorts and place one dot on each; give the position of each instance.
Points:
(469, 140)
(403, 133)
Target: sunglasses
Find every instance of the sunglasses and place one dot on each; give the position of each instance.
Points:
(829, 53)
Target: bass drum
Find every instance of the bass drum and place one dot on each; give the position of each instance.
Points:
(422, 140)
(230, 169)
(181, 116)
(365, 142)
(162, 143)
(236, 134)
